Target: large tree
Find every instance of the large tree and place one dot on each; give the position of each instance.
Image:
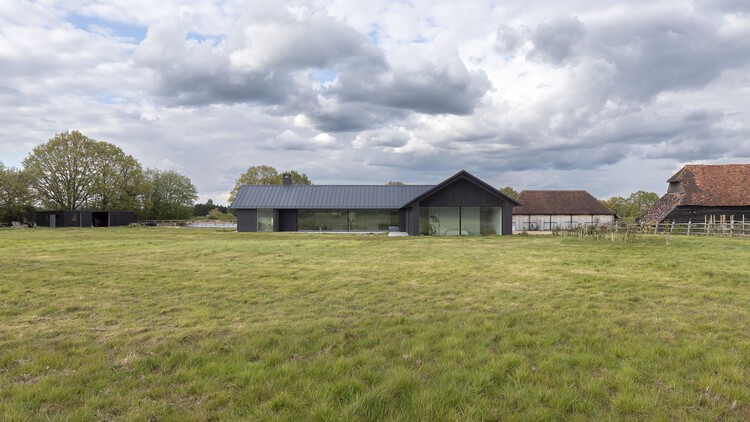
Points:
(118, 180)
(266, 175)
(16, 201)
(170, 195)
(72, 171)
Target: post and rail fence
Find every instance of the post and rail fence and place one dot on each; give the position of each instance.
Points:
(714, 226)
(187, 223)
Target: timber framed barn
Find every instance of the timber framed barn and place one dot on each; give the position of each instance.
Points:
(699, 193)
(550, 209)
(460, 205)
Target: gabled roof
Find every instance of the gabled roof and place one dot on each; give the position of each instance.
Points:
(723, 185)
(346, 196)
(714, 185)
(463, 174)
(326, 196)
(559, 202)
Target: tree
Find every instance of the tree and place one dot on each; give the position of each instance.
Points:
(392, 183)
(118, 180)
(15, 197)
(202, 210)
(618, 205)
(169, 196)
(72, 171)
(641, 201)
(509, 191)
(633, 206)
(266, 175)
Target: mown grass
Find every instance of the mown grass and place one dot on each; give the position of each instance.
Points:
(203, 324)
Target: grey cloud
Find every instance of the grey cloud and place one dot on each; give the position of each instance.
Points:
(741, 6)
(189, 72)
(555, 42)
(259, 62)
(339, 117)
(509, 39)
(292, 141)
(435, 88)
(653, 54)
(387, 138)
(289, 44)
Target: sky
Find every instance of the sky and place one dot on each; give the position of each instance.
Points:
(606, 96)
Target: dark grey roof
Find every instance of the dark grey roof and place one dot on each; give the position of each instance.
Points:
(326, 196)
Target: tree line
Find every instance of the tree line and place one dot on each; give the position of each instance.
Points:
(72, 171)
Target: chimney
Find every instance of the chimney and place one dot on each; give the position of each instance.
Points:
(287, 180)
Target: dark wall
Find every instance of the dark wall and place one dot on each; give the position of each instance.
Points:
(287, 221)
(43, 220)
(247, 220)
(701, 214)
(507, 218)
(86, 220)
(462, 193)
(121, 218)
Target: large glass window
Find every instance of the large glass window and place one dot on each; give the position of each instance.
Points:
(331, 220)
(470, 221)
(441, 221)
(265, 220)
(372, 220)
(347, 220)
(460, 221)
(491, 221)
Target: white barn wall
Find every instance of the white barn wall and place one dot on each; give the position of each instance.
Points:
(548, 222)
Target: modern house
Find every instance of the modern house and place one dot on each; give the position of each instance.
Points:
(549, 209)
(460, 205)
(698, 193)
(84, 218)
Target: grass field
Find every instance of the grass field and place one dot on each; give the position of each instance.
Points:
(204, 324)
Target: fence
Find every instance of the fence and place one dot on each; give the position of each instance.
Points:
(183, 223)
(710, 227)
(722, 227)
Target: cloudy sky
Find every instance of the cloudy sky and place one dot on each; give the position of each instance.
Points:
(607, 96)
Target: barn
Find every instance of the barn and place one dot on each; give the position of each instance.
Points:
(699, 193)
(460, 205)
(84, 218)
(550, 209)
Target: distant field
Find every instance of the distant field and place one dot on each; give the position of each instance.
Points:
(205, 324)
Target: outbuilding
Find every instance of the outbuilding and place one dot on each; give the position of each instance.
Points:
(84, 218)
(460, 205)
(698, 193)
(550, 209)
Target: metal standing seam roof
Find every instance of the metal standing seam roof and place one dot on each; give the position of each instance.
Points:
(326, 196)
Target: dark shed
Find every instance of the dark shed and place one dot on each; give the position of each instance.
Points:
(84, 218)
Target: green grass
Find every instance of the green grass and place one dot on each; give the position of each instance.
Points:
(204, 324)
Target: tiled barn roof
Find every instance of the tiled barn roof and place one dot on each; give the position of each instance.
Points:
(703, 185)
(559, 202)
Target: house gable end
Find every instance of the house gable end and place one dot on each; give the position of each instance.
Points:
(462, 189)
